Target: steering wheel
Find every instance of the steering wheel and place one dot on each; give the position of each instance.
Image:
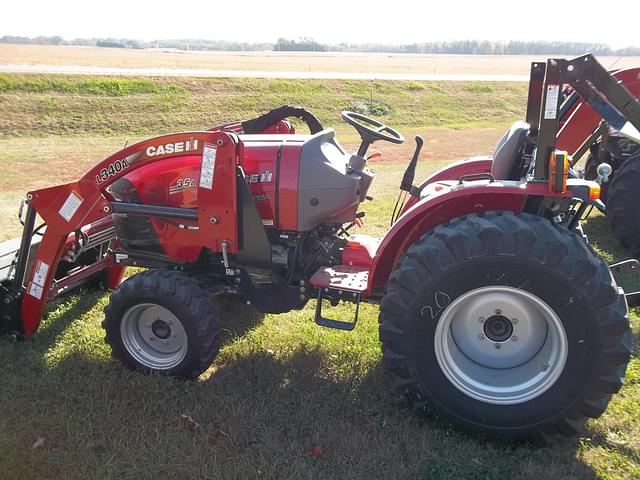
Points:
(371, 130)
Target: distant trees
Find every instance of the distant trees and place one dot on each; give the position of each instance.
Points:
(484, 47)
(305, 44)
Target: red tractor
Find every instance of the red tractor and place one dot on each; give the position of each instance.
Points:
(494, 310)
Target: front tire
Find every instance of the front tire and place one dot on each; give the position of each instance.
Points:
(506, 325)
(162, 321)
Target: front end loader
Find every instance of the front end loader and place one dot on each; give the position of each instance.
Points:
(494, 310)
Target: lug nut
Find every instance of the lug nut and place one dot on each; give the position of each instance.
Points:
(545, 367)
(481, 336)
(7, 300)
(481, 319)
(153, 339)
(514, 321)
(498, 311)
(498, 346)
(514, 338)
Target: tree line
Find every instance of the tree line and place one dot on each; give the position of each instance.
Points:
(469, 47)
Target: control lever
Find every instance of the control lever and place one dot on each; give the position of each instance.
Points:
(406, 185)
(410, 172)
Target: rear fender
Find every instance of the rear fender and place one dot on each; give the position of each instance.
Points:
(442, 207)
(453, 172)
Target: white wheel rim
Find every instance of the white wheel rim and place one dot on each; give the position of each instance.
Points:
(153, 336)
(501, 345)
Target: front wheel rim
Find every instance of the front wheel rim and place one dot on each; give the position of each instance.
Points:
(501, 345)
(153, 336)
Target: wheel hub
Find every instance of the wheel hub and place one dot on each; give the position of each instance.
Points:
(500, 345)
(161, 329)
(153, 336)
(498, 328)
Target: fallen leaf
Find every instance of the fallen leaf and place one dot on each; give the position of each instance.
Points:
(316, 451)
(189, 421)
(38, 443)
(220, 433)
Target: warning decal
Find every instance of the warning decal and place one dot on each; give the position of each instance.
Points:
(36, 287)
(551, 105)
(70, 206)
(208, 166)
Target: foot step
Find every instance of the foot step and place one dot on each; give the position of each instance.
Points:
(342, 282)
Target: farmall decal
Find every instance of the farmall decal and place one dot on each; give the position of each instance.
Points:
(169, 148)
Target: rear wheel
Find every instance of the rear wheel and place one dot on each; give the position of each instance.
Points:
(623, 202)
(162, 321)
(506, 325)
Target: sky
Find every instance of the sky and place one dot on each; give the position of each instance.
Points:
(327, 21)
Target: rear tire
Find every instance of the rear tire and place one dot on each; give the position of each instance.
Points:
(623, 205)
(574, 337)
(162, 321)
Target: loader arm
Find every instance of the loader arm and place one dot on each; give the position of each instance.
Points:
(68, 208)
(580, 120)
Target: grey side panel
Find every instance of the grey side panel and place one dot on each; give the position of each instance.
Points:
(329, 191)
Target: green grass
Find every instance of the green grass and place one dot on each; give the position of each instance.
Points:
(280, 384)
(61, 105)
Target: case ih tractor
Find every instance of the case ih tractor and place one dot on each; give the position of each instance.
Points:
(494, 311)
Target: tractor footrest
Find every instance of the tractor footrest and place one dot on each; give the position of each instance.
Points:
(341, 282)
(341, 277)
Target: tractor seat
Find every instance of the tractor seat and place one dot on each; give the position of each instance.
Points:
(507, 158)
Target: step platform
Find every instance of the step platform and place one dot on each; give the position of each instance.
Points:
(348, 278)
(341, 282)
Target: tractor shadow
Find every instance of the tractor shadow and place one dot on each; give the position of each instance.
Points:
(236, 317)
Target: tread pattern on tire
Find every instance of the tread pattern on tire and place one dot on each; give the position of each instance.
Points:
(508, 234)
(195, 303)
(623, 204)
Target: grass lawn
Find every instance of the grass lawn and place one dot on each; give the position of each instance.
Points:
(281, 388)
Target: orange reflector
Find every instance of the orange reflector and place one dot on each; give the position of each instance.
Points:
(594, 191)
(558, 171)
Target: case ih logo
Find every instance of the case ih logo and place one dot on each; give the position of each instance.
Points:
(169, 148)
(264, 177)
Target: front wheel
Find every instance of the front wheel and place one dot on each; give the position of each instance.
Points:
(507, 325)
(162, 321)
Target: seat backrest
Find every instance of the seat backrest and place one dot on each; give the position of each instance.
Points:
(507, 159)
